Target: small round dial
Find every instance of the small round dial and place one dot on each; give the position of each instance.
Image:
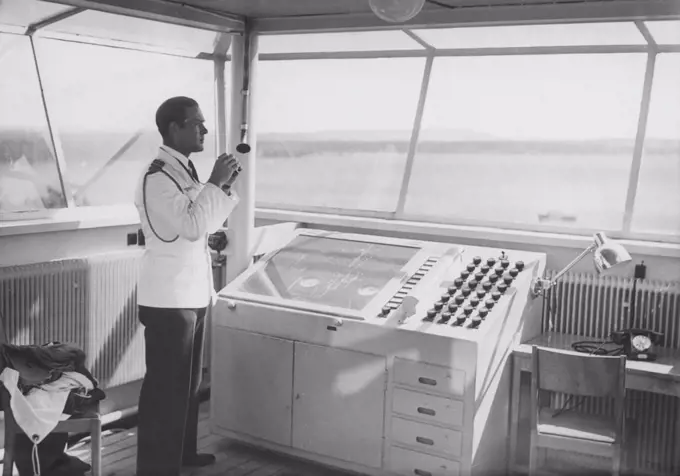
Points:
(641, 343)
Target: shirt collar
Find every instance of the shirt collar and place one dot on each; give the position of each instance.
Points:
(181, 158)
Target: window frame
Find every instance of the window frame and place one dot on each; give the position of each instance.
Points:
(15, 220)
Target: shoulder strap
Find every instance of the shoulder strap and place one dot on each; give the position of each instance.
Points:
(157, 166)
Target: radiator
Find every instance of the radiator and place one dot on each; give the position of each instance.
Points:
(593, 307)
(90, 302)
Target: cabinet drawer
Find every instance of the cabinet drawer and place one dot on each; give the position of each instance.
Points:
(429, 377)
(442, 410)
(411, 463)
(427, 437)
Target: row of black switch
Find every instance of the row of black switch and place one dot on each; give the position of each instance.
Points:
(410, 284)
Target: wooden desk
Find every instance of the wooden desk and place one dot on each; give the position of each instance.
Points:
(661, 376)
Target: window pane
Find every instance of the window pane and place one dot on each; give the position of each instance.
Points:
(29, 178)
(330, 42)
(530, 140)
(657, 204)
(150, 33)
(104, 103)
(571, 34)
(25, 12)
(665, 32)
(334, 133)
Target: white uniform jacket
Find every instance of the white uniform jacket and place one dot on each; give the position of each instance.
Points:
(176, 270)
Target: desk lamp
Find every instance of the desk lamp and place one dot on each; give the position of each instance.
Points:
(606, 254)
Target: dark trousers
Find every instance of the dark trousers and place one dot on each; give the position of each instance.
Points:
(168, 403)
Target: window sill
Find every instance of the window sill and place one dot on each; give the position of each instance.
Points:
(69, 219)
(650, 248)
(100, 217)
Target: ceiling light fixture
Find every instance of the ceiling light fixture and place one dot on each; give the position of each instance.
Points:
(396, 11)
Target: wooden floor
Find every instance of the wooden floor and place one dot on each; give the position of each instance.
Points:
(119, 449)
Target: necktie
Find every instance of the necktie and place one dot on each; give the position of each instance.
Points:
(194, 174)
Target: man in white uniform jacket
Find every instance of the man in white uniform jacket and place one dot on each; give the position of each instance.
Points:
(177, 214)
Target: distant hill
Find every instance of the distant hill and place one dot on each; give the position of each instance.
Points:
(94, 149)
(378, 136)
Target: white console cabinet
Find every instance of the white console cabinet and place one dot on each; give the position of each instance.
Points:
(376, 355)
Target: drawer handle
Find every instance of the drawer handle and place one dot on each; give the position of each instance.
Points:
(426, 411)
(424, 441)
(427, 381)
(420, 472)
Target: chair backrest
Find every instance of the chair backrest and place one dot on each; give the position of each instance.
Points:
(579, 374)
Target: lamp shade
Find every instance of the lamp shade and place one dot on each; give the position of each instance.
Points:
(396, 11)
(608, 254)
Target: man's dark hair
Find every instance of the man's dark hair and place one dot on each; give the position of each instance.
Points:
(173, 110)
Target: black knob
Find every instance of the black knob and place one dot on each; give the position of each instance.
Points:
(471, 267)
(498, 270)
(476, 260)
(445, 297)
(468, 310)
(514, 272)
(458, 283)
(508, 280)
(438, 306)
(519, 265)
(460, 320)
(466, 291)
(453, 307)
(491, 261)
(430, 315)
(460, 300)
(475, 321)
(493, 278)
(481, 293)
(474, 302)
(472, 284)
(496, 295)
(452, 290)
(479, 276)
(445, 316)
(483, 312)
(484, 269)
(505, 263)
(464, 274)
(487, 286)
(489, 303)
(502, 288)
(386, 310)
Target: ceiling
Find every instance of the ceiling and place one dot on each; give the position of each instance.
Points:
(278, 16)
(302, 8)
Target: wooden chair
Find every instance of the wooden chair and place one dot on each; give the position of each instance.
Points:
(89, 422)
(580, 375)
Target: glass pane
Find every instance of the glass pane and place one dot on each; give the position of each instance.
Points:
(29, 178)
(332, 272)
(104, 103)
(26, 12)
(530, 140)
(665, 32)
(572, 34)
(657, 204)
(346, 41)
(335, 133)
(136, 30)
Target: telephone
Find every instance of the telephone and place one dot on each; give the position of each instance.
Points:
(637, 343)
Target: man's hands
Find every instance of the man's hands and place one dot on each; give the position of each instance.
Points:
(225, 171)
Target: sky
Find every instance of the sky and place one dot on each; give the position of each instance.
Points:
(92, 88)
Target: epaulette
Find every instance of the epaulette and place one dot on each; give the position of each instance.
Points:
(156, 166)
